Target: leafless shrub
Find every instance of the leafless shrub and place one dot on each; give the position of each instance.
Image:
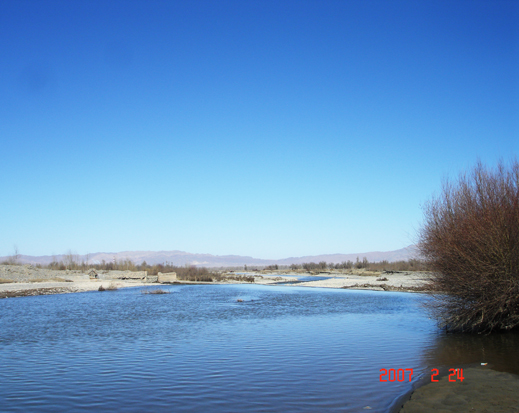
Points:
(111, 287)
(155, 291)
(192, 273)
(470, 238)
(235, 277)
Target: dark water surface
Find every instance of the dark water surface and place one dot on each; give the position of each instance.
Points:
(283, 349)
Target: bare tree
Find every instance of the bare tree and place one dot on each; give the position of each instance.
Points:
(71, 260)
(14, 259)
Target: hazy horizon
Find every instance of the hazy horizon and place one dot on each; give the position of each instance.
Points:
(176, 257)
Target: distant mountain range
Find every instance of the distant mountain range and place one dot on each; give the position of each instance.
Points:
(181, 258)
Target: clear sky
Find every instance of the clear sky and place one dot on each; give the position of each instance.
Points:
(263, 128)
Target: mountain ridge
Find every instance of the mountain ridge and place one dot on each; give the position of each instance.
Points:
(180, 258)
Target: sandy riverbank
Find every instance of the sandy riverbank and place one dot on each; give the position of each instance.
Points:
(396, 281)
(407, 281)
(25, 280)
(9, 290)
(482, 390)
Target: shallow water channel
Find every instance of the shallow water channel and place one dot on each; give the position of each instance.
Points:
(197, 349)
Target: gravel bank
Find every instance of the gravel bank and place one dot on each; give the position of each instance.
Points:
(27, 280)
(23, 280)
(52, 287)
(29, 273)
(395, 281)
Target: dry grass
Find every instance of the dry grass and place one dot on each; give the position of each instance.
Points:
(47, 280)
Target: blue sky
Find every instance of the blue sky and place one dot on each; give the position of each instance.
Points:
(263, 128)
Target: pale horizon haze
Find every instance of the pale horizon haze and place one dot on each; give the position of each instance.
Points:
(269, 129)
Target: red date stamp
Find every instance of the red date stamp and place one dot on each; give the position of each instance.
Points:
(455, 374)
(395, 375)
(388, 375)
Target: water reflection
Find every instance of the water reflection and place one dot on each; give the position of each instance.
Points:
(500, 351)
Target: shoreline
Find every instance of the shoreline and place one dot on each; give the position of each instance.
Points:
(397, 281)
(26, 289)
(26, 280)
(482, 390)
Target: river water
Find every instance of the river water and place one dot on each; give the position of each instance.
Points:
(197, 349)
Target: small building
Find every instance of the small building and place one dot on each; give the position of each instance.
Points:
(167, 278)
(92, 274)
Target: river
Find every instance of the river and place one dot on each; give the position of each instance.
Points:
(199, 349)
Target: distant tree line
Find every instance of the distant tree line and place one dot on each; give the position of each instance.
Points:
(408, 265)
(72, 262)
(187, 273)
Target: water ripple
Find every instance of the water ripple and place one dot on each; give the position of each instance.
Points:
(199, 350)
